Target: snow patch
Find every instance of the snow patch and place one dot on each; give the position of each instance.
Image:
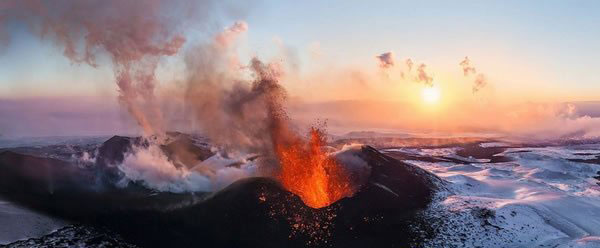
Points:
(541, 199)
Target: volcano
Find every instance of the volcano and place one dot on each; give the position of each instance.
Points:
(386, 211)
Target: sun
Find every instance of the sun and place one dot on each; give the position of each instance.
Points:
(431, 94)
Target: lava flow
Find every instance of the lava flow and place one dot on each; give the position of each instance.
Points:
(310, 173)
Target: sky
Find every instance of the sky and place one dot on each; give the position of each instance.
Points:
(550, 47)
(529, 51)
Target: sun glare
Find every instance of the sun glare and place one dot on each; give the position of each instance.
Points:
(431, 94)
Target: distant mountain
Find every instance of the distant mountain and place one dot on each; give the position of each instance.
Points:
(589, 108)
(373, 134)
(180, 148)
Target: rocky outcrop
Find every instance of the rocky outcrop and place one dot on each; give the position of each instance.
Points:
(178, 147)
(113, 150)
(183, 152)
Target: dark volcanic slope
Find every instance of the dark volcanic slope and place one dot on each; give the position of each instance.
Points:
(253, 212)
(70, 191)
(475, 150)
(74, 236)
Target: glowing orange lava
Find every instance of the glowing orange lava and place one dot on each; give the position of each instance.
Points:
(310, 173)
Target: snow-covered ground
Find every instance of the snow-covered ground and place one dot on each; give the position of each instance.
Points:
(541, 199)
(17, 223)
(544, 197)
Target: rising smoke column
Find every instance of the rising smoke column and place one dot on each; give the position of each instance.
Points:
(466, 66)
(409, 64)
(248, 115)
(422, 75)
(387, 61)
(234, 111)
(134, 35)
(479, 83)
(480, 80)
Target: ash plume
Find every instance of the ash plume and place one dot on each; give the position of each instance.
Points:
(479, 83)
(422, 75)
(409, 64)
(247, 115)
(239, 108)
(134, 35)
(236, 113)
(229, 35)
(480, 80)
(386, 60)
(288, 56)
(466, 66)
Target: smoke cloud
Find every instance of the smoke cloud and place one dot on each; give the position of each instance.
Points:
(238, 108)
(467, 68)
(133, 35)
(150, 166)
(409, 64)
(386, 60)
(423, 77)
(480, 80)
(479, 83)
(235, 112)
(225, 38)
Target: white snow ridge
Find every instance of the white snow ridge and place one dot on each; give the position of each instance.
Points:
(544, 197)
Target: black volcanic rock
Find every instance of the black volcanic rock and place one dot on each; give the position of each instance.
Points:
(183, 152)
(259, 212)
(30, 174)
(114, 149)
(595, 160)
(475, 150)
(74, 236)
(385, 212)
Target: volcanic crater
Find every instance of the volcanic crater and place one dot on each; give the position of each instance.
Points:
(384, 210)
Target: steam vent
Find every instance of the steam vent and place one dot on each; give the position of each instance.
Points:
(385, 210)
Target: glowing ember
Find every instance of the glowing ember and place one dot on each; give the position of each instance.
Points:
(310, 173)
